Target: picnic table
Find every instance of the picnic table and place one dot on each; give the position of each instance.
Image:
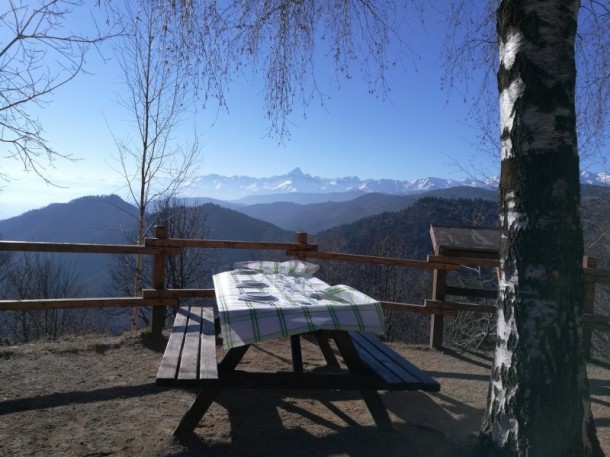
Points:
(270, 301)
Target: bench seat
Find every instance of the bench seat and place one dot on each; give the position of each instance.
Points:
(392, 369)
(190, 361)
(190, 355)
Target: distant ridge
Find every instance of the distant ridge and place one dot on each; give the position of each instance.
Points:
(91, 219)
(110, 220)
(312, 189)
(314, 217)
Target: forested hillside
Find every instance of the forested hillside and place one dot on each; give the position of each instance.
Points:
(319, 216)
(110, 220)
(407, 231)
(404, 234)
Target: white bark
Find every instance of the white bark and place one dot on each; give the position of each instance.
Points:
(538, 403)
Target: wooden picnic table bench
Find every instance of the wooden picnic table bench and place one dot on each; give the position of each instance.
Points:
(393, 371)
(190, 354)
(190, 361)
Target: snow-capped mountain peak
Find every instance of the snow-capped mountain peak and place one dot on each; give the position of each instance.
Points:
(296, 181)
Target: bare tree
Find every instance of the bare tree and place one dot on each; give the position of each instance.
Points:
(592, 49)
(37, 56)
(38, 275)
(152, 164)
(192, 268)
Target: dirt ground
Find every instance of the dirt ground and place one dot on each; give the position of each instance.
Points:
(97, 397)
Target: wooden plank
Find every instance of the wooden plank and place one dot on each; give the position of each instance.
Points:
(178, 293)
(391, 359)
(391, 367)
(469, 253)
(227, 244)
(208, 366)
(74, 303)
(198, 408)
(389, 377)
(327, 351)
(295, 351)
(598, 275)
(189, 362)
(392, 371)
(487, 238)
(421, 309)
(168, 370)
(232, 358)
(375, 260)
(399, 359)
(357, 366)
(588, 263)
(157, 316)
(461, 306)
(377, 409)
(338, 380)
(285, 380)
(442, 259)
(83, 248)
(348, 351)
(596, 322)
(471, 292)
(439, 285)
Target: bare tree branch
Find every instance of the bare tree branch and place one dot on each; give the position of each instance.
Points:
(278, 38)
(151, 162)
(38, 57)
(470, 50)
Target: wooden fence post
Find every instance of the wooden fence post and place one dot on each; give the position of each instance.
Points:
(157, 319)
(587, 333)
(437, 321)
(302, 239)
(439, 287)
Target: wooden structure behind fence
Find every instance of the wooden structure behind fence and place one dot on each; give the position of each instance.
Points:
(454, 247)
(479, 247)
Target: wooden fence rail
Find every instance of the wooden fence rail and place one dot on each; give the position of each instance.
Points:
(74, 303)
(445, 259)
(83, 248)
(476, 247)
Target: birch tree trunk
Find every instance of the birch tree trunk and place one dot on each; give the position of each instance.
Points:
(539, 397)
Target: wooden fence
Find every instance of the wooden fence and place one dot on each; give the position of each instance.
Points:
(445, 259)
(479, 247)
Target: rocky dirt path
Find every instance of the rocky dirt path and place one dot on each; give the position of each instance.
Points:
(97, 397)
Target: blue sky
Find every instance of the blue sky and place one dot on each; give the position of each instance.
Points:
(419, 130)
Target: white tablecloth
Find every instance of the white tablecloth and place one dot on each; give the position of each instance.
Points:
(255, 306)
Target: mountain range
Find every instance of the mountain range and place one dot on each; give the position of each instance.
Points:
(248, 190)
(314, 189)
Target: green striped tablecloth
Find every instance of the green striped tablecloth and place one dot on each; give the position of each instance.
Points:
(294, 305)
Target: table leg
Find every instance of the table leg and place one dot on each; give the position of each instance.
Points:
(297, 358)
(327, 352)
(195, 413)
(207, 394)
(233, 357)
(354, 363)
